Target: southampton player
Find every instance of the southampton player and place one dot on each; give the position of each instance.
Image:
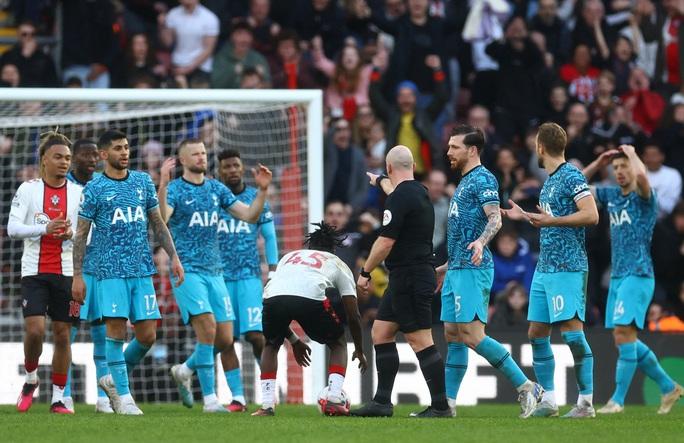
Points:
(84, 163)
(558, 292)
(191, 206)
(297, 293)
(474, 219)
(120, 205)
(42, 213)
(242, 270)
(633, 209)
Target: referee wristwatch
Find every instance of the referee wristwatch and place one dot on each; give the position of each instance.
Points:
(363, 273)
(379, 179)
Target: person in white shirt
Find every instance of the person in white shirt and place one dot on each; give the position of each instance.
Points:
(192, 30)
(42, 214)
(665, 181)
(297, 291)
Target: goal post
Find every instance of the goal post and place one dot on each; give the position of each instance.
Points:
(283, 129)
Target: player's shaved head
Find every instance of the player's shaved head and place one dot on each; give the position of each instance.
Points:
(193, 155)
(400, 158)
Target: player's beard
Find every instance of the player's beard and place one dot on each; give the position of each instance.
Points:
(117, 165)
(197, 169)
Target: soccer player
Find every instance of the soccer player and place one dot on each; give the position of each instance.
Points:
(120, 205)
(42, 213)
(405, 244)
(84, 163)
(191, 206)
(297, 292)
(474, 219)
(633, 209)
(558, 292)
(242, 270)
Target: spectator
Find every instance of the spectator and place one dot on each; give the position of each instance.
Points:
(670, 61)
(376, 146)
(512, 260)
(192, 31)
(478, 117)
(36, 68)
(237, 56)
(580, 140)
(511, 308)
(621, 64)
(251, 79)
(645, 35)
(409, 125)
(555, 31)
(322, 18)
(436, 185)
(508, 172)
(668, 252)
(605, 96)
(580, 75)
(662, 320)
(88, 41)
(140, 61)
(666, 181)
(363, 124)
(289, 70)
(557, 106)
(592, 31)
(337, 214)
(645, 107)
(613, 130)
(264, 29)
(344, 168)
(10, 76)
(671, 135)
(348, 79)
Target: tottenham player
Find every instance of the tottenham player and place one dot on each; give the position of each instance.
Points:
(297, 292)
(633, 209)
(120, 205)
(242, 270)
(84, 163)
(474, 219)
(558, 292)
(191, 206)
(42, 214)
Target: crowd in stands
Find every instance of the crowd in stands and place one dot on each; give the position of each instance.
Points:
(406, 72)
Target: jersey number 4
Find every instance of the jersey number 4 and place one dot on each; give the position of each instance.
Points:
(314, 260)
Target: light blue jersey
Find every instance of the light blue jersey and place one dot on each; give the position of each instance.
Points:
(467, 219)
(119, 208)
(194, 222)
(238, 241)
(89, 264)
(562, 248)
(632, 220)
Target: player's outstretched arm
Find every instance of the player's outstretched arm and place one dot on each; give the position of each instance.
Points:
(164, 177)
(251, 213)
(643, 185)
(78, 288)
(164, 238)
(351, 308)
(493, 212)
(385, 184)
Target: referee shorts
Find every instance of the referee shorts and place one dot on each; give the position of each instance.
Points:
(408, 298)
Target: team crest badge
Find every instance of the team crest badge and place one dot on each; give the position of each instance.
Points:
(215, 199)
(55, 200)
(140, 193)
(386, 217)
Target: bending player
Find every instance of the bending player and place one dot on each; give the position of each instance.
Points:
(84, 163)
(474, 219)
(121, 204)
(242, 270)
(297, 293)
(42, 213)
(558, 292)
(633, 209)
(191, 205)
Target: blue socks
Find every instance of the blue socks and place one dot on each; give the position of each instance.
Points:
(135, 352)
(584, 360)
(204, 359)
(624, 372)
(98, 334)
(648, 363)
(234, 380)
(501, 359)
(543, 361)
(67, 387)
(455, 368)
(117, 364)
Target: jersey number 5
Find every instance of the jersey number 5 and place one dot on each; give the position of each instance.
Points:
(314, 260)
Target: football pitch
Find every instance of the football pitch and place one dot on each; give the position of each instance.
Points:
(483, 423)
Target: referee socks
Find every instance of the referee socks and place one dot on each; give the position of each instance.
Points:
(432, 366)
(387, 364)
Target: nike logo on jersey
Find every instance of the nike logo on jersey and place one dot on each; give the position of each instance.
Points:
(189, 202)
(148, 313)
(111, 197)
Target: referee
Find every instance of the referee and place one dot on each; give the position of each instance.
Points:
(405, 244)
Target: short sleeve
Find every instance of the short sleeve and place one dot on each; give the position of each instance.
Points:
(487, 193)
(212, 25)
(393, 216)
(602, 195)
(344, 280)
(172, 20)
(577, 185)
(266, 215)
(172, 195)
(226, 196)
(88, 209)
(20, 204)
(152, 199)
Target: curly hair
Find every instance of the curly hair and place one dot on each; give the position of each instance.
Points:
(325, 238)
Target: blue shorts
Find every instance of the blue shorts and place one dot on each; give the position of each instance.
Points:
(246, 296)
(203, 294)
(92, 307)
(465, 295)
(557, 297)
(628, 300)
(131, 298)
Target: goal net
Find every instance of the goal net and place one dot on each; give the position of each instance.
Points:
(280, 129)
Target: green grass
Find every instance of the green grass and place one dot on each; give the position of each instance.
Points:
(484, 423)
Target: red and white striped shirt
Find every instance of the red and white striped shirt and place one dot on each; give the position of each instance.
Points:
(34, 205)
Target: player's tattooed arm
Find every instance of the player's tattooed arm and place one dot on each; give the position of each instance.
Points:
(493, 223)
(80, 242)
(162, 233)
